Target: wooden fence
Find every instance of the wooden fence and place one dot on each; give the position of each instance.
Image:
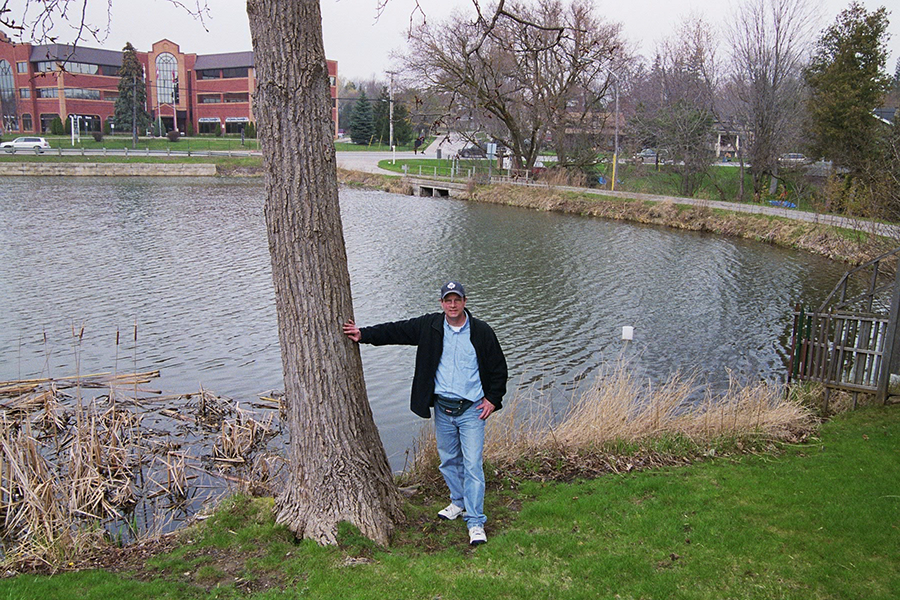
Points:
(847, 349)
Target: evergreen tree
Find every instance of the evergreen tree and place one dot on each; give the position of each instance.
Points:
(362, 121)
(403, 131)
(381, 117)
(132, 90)
(57, 127)
(847, 80)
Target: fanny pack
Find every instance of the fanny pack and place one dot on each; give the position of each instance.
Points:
(451, 406)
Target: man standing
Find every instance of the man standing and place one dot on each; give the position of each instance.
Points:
(461, 372)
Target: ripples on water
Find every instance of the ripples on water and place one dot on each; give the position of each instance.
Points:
(187, 261)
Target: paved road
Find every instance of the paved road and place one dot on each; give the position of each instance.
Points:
(367, 162)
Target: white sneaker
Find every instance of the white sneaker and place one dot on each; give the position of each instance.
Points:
(477, 535)
(451, 512)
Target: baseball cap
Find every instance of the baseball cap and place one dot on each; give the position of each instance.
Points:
(453, 287)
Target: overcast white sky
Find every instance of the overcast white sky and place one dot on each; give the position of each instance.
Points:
(362, 43)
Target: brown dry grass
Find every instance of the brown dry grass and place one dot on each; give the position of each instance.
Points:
(621, 412)
(386, 183)
(73, 470)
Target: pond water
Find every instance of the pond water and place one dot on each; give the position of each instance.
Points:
(185, 263)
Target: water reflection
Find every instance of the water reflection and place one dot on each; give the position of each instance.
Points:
(186, 263)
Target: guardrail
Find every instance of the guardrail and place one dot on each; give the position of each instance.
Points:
(134, 152)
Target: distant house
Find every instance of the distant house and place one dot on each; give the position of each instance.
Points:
(887, 116)
(214, 91)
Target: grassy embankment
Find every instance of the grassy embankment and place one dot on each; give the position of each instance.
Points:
(798, 521)
(195, 144)
(118, 142)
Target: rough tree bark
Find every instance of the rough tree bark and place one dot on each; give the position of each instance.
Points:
(338, 467)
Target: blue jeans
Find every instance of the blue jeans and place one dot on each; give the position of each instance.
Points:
(460, 444)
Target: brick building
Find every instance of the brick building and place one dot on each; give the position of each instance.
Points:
(40, 82)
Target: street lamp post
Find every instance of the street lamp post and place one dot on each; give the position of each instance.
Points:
(391, 121)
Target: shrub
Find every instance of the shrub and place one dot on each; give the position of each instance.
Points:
(98, 136)
(173, 136)
(57, 127)
(189, 131)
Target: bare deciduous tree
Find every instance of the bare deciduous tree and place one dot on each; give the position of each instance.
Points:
(769, 42)
(338, 468)
(536, 70)
(675, 102)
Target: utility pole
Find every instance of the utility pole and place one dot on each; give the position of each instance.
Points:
(134, 135)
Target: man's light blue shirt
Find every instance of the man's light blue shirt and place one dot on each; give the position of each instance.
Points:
(457, 374)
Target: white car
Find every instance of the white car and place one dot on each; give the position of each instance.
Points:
(38, 144)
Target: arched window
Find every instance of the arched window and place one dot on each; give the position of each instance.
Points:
(8, 110)
(166, 70)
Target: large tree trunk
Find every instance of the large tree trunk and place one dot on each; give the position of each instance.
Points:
(338, 467)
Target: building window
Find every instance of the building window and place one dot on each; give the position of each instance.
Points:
(209, 98)
(82, 94)
(45, 66)
(87, 123)
(47, 121)
(21, 67)
(166, 71)
(235, 73)
(48, 92)
(236, 97)
(235, 124)
(209, 125)
(24, 92)
(83, 68)
(27, 125)
(8, 110)
(110, 70)
(208, 74)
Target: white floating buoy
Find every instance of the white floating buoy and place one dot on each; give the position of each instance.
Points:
(627, 332)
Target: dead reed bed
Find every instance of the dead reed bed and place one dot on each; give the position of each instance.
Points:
(621, 423)
(75, 471)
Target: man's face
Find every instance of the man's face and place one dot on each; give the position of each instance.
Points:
(453, 305)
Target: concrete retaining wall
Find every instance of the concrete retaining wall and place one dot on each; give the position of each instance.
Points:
(40, 169)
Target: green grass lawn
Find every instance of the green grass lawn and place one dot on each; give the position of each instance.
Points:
(721, 182)
(819, 520)
(205, 143)
(345, 145)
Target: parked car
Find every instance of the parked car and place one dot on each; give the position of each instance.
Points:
(646, 155)
(793, 158)
(472, 152)
(38, 144)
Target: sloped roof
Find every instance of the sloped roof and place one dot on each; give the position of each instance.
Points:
(81, 54)
(886, 114)
(228, 60)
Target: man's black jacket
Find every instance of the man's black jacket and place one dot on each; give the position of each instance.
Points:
(427, 333)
